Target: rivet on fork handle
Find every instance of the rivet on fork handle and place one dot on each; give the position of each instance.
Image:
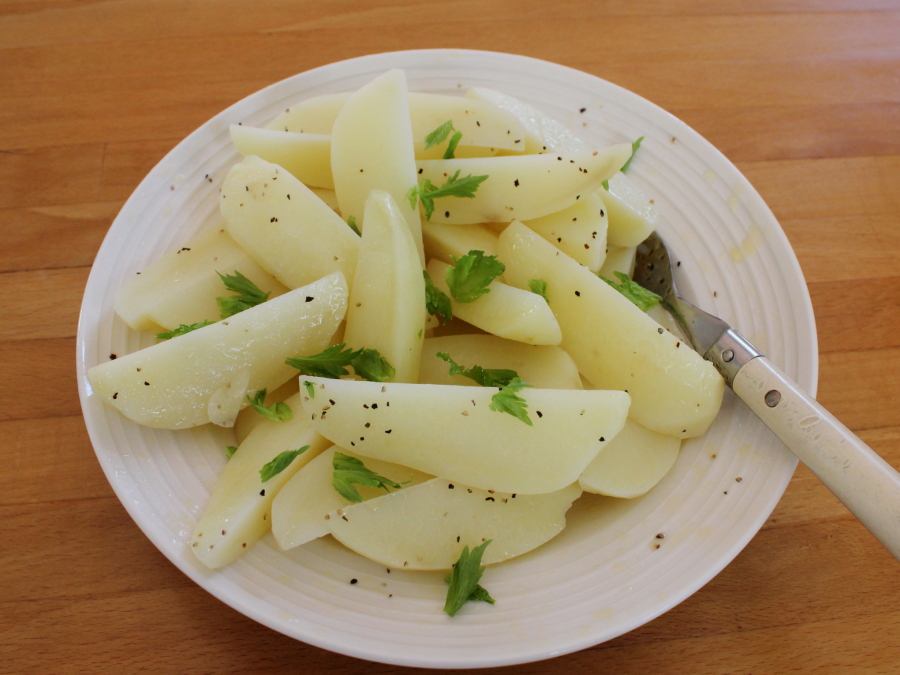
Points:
(730, 352)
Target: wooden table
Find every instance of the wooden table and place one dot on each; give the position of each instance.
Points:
(803, 95)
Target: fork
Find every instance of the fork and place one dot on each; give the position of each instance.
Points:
(866, 484)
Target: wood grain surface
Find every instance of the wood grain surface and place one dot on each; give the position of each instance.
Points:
(803, 95)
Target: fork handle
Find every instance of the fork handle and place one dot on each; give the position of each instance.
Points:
(866, 484)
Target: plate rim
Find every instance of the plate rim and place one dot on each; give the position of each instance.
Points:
(244, 603)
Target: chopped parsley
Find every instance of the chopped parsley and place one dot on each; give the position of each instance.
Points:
(248, 294)
(332, 363)
(634, 149)
(439, 135)
(351, 221)
(182, 330)
(229, 451)
(436, 301)
(453, 187)
(279, 412)
(507, 401)
(471, 275)
(310, 389)
(639, 295)
(464, 580)
(280, 463)
(486, 377)
(539, 286)
(350, 470)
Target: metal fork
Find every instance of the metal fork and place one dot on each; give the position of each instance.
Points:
(866, 484)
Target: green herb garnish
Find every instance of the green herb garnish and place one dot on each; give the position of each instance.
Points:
(450, 152)
(539, 286)
(229, 451)
(248, 294)
(351, 221)
(639, 295)
(349, 470)
(436, 301)
(332, 363)
(464, 580)
(634, 149)
(486, 377)
(280, 463)
(454, 187)
(310, 389)
(507, 401)
(471, 275)
(279, 412)
(182, 330)
(439, 135)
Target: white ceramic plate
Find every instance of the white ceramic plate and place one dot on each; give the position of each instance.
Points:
(604, 575)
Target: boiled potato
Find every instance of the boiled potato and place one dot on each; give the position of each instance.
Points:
(632, 217)
(300, 511)
(179, 383)
(443, 241)
(326, 196)
(521, 187)
(618, 259)
(483, 125)
(387, 301)
(542, 132)
(541, 367)
(287, 229)
(182, 286)
(238, 511)
(579, 231)
(635, 461)
(616, 346)
(307, 157)
(372, 149)
(504, 310)
(425, 527)
(451, 432)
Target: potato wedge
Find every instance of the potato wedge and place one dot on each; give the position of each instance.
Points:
(541, 367)
(631, 215)
(438, 518)
(443, 241)
(452, 432)
(182, 286)
(618, 259)
(300, 511)
(307, 157)
(521, 187)
(616, 346)
(504, 310)
(634, 461)
(372, 149)
(238, 512)
(387, 301)
(173, 384)
(579, 231)
(283, 226)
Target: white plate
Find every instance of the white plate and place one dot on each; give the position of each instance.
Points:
(604, 575)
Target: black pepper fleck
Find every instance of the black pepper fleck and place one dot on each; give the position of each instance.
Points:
(353, 581)
(262, 493)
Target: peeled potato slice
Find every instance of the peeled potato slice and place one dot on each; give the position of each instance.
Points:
(238, 511)
(170, 385)
(387, 303)
(443, 241)
(182, 286)
(579, 231)
(616, 345)
(521, 187)
(286, 228)
(300, 512)
(541, 367)
(452, 432)
(505, 311)
(425, 527)
(307, 157)
(631, 215)
(618, 259)
(634, 461)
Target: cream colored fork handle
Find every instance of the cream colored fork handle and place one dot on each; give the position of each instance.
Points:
(867, 485)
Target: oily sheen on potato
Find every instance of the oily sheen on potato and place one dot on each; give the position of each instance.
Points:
(179, 383)
(451, 431)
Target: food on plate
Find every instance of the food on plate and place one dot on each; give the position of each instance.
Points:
(366, 402)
